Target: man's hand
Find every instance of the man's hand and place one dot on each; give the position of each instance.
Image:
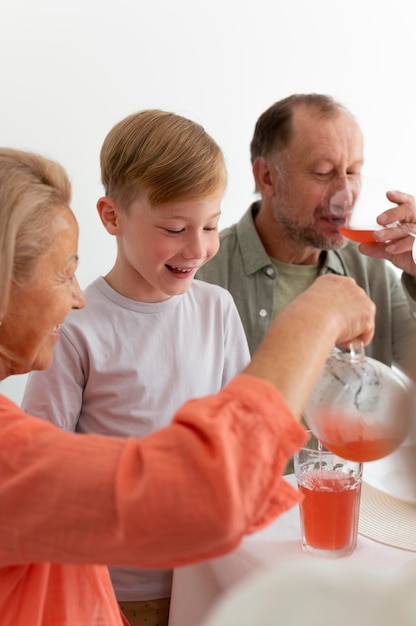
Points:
(395, 243)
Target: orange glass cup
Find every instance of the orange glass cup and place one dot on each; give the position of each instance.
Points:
(330, 505)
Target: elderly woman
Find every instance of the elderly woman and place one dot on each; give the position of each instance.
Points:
(70, 504)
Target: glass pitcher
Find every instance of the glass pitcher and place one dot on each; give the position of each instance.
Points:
(359, 408)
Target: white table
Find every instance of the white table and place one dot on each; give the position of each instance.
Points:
(197, 587)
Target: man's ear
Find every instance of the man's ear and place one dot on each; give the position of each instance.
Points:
(109, 214)
(264, 175)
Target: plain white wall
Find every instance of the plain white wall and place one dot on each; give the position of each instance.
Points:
(71, 69)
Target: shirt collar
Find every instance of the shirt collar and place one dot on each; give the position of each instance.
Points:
(253, 253)
(255, 257)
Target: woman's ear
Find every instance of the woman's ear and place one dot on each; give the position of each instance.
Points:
(108, 212)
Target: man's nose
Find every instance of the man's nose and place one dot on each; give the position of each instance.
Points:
(344, 193)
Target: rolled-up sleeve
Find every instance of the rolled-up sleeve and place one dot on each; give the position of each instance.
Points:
(187, 492)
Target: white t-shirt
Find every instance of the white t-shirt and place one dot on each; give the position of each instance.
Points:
(123, 367)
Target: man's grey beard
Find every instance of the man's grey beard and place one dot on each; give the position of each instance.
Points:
(308, 237)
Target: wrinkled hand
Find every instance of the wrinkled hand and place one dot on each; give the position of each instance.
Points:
(395, 242)
(333, 310)
(339, 298)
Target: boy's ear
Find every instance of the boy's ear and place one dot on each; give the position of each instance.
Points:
(108, 212)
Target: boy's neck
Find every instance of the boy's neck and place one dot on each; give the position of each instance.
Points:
(133, 287)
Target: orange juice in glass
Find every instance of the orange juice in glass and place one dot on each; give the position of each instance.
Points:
(353, 204)
(329, 510)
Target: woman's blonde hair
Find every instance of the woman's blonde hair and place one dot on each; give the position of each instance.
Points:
(169, 157)
(32, 188)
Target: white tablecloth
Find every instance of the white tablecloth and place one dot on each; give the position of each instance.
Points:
(197, 587)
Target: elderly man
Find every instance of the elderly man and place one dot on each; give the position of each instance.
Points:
(301, 145)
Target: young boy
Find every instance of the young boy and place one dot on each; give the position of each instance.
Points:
(150, 337)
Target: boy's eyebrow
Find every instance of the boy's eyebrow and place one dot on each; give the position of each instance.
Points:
(184, 217)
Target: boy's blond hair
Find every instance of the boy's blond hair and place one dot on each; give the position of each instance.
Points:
(168, 156)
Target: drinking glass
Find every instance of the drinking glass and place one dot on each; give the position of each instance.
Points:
(356, 201)
(329, 509)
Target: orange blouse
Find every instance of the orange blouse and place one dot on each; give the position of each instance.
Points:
(71, 504)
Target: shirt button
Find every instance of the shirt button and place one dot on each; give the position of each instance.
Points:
(263, 313)
(270, 271)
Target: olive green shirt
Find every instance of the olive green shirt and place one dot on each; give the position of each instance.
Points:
(243, 267)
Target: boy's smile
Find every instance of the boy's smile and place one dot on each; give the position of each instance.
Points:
(160, 248)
